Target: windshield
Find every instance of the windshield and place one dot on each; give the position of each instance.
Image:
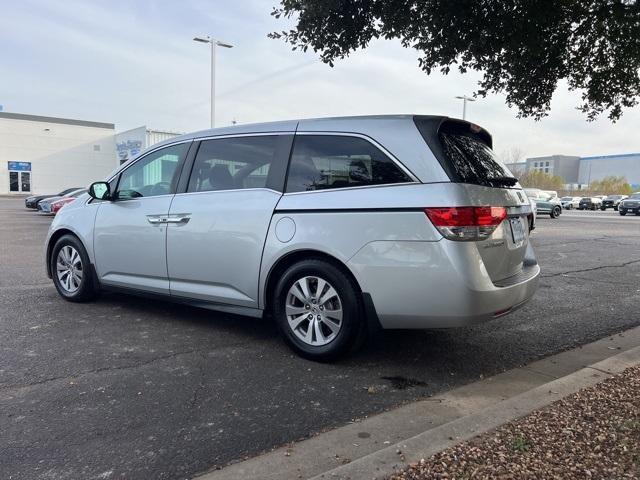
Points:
(635, 196)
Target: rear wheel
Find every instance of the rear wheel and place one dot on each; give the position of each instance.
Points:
(71, 271)
(318, 309)
(555, 212)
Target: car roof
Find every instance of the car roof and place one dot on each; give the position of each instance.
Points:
(357, 122)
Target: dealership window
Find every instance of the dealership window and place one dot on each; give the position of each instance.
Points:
(546, 170)
(152, 174)
(322, 162)
(235, 163)
(535, 164)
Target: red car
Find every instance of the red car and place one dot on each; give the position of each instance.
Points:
(58, 204)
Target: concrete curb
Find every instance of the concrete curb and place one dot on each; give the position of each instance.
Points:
(380, 464)
(368, 448)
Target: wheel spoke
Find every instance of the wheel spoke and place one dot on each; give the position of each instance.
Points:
(295, 291)
(328, 296)
(334, 327)
(319, 288)
(294, 323)
(303, 284)
(337, 314)
(319, 335)
(309, 335)
(292, 310)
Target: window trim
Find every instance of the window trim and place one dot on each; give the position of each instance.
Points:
(398, 163)
(283, 156)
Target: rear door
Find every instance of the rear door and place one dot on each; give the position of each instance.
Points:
(219, 221)
(464, 151)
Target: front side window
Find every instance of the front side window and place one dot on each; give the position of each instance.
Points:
(234, 163)
(152, 174)
(321, 162)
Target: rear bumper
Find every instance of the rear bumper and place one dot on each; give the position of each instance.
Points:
(418, 285)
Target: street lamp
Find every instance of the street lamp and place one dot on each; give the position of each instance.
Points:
(214, 43)
(465, 99)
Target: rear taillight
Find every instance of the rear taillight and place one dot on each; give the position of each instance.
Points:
(466, 223)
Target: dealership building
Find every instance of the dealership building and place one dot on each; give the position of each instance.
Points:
(579, 172)
(45, 155)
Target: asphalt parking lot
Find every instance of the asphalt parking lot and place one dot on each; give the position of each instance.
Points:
(131, 388)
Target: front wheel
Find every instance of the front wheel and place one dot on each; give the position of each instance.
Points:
(555, 212)
(318, 309)
(622, 212)
(71, 271)
(603, 208)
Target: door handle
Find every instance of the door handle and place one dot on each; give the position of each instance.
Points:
(156, 219)
(183, 218)
(177, 218)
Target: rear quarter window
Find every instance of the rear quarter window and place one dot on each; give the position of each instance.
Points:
(322, 162)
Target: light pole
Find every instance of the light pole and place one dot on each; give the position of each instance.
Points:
(465, 99)
(214, 43)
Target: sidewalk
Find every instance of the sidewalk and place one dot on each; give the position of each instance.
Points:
(594, 433)
(388, 443)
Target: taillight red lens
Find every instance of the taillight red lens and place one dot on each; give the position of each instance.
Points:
(466, 216)
(466, 223)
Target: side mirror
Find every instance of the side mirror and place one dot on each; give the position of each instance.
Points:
(100, 191)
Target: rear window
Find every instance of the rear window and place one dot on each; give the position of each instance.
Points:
(464, 151)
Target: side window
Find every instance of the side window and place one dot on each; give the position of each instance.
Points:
(322, 162)
(234, 163)
(151, 175)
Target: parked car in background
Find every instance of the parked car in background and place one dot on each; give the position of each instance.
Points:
(58, 204)
(551, 193)
(612, 201)
(545, 202)
(46, 205)
(33, 200)
(630, 204)
(394, 221)
(569, 203)
(590, 203)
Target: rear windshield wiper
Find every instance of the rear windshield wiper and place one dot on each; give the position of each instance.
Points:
(506, 181)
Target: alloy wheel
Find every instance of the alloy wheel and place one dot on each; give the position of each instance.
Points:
(69, 269)
(314, 311)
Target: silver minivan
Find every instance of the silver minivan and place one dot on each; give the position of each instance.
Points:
(334, 226)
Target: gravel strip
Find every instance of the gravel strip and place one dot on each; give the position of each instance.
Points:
(593, 434)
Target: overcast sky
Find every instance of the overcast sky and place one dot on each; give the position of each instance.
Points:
(134, 63)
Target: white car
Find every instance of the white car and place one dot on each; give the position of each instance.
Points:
(569, 203)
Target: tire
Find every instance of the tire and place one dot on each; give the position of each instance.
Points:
(334, 338)
(603, 208)
(615, 209)
(555, 212)
(622, 212)
(78, 283)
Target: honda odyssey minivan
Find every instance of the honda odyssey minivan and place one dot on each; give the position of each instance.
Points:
(334, 226)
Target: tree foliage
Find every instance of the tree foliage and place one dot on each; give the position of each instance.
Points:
(611, 185)
(541, 180)
(522, 47)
